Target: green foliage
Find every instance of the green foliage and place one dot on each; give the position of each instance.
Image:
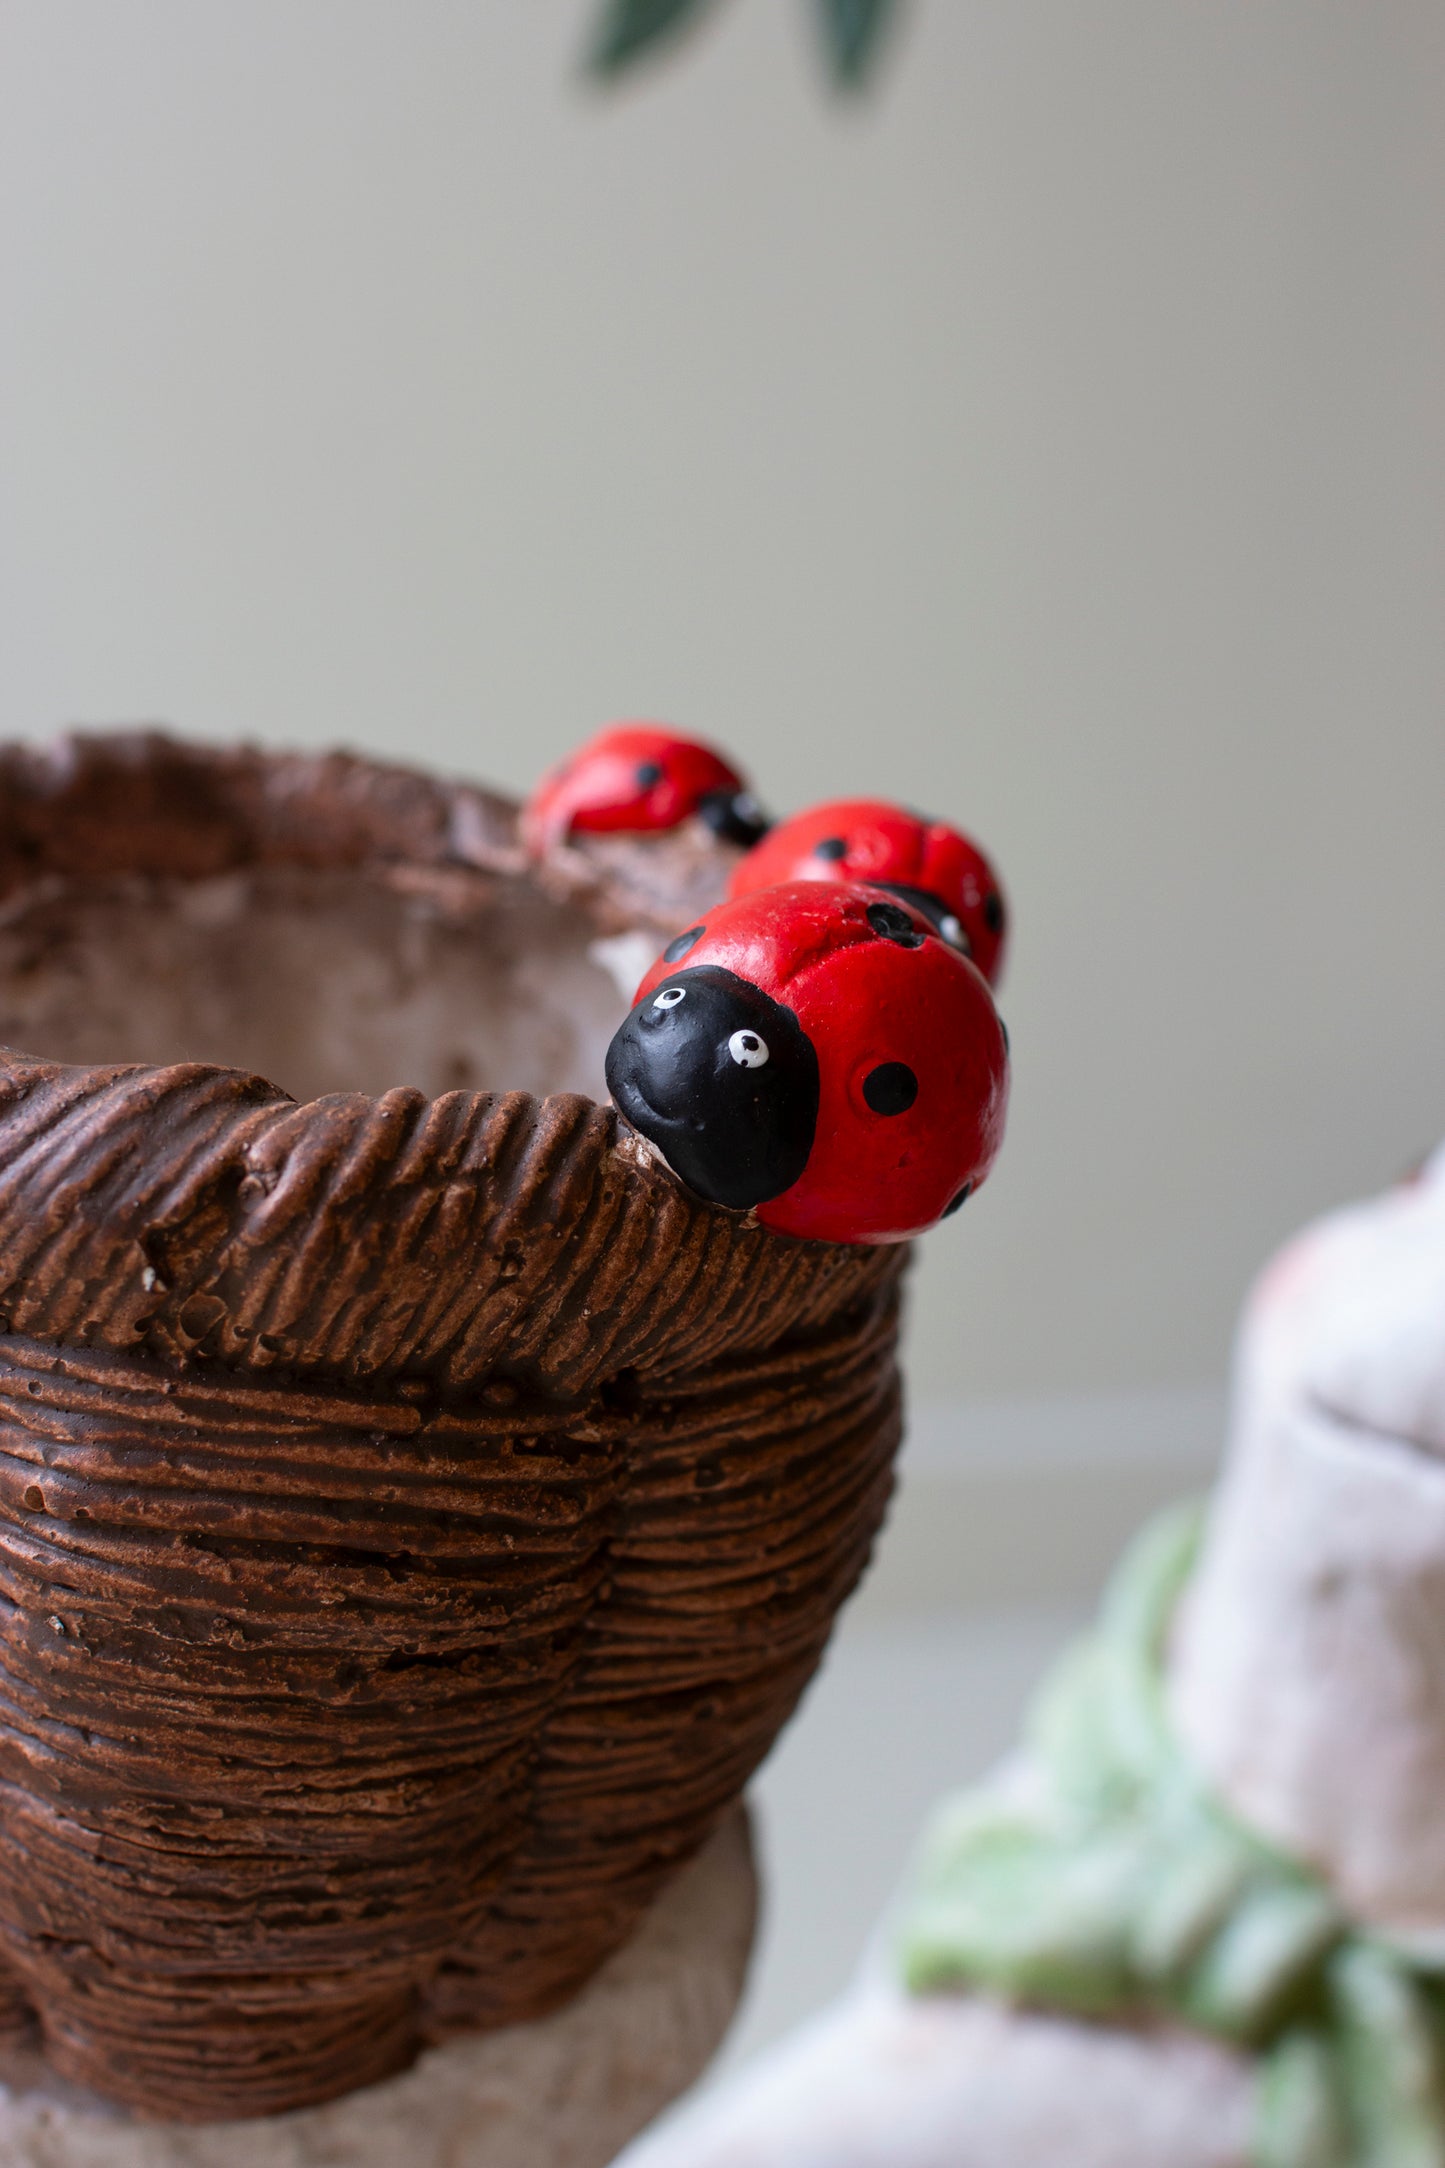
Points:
(627, 31)
(853, 33)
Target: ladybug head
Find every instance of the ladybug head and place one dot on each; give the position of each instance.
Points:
(723, 1080)
(640, 779)
(734, 816)
(932, 866)
(820, 1056)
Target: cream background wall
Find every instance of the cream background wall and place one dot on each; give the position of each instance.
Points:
(1057, 440)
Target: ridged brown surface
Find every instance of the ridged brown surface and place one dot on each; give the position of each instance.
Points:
(417, 1517)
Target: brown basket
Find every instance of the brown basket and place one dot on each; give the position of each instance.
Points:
(418, 1515)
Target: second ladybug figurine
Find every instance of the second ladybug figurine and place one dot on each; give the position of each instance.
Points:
(820, 1056)
(640, 779)
(926, 862)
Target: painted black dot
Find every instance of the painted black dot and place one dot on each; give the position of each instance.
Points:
(993, 911)
(831, 847)
(891, 1088)
(649, 772)
(892, 922)
(676, 949)
(954, 1202)
(1003, 1027)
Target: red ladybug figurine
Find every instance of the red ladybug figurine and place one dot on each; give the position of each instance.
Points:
(925, 862)
(821, 1057)
(640, 778)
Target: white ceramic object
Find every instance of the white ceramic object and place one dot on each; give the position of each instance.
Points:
(1308, 1675)
(565, 2092)
(882, 2080)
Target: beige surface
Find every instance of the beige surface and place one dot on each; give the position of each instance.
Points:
(1057, 440)
(564, 2093)
(881, 2082)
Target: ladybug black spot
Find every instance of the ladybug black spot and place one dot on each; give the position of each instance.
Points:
(893, 924)
(831, 847)
(891, 1088)
(678, 947)
(954, 1202)
(649, 772)
(1003, 1027)
(993, 911)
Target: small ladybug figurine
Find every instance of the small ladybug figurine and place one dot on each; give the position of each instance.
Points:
(821, 1056)
(925, 862)
(640, 778)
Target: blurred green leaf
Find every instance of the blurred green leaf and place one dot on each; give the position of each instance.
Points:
(853, 33)
(627, 29)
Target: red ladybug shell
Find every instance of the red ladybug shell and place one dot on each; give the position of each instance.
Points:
(871, 1006)
(639, 777)
(866, 839)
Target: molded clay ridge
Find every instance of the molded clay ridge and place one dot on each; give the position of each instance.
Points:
(418, 1515)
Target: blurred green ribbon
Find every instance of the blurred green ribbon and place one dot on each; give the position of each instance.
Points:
(1112, 1885)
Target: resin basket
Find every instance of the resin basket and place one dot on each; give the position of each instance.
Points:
(418, 1515)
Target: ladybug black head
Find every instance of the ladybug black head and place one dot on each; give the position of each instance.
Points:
(723, 1080)
(935, 910)
(734, 816)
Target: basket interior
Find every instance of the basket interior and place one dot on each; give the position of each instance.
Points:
(320, 980)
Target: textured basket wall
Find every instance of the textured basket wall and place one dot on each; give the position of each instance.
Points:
(417, 1515)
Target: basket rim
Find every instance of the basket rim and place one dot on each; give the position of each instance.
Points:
(200, 1212)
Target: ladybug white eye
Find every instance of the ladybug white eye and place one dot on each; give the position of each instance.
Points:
(953, 933)
(748, 1050)
(670, 997)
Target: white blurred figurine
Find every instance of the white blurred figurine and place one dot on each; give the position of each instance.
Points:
(1199, 1922)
